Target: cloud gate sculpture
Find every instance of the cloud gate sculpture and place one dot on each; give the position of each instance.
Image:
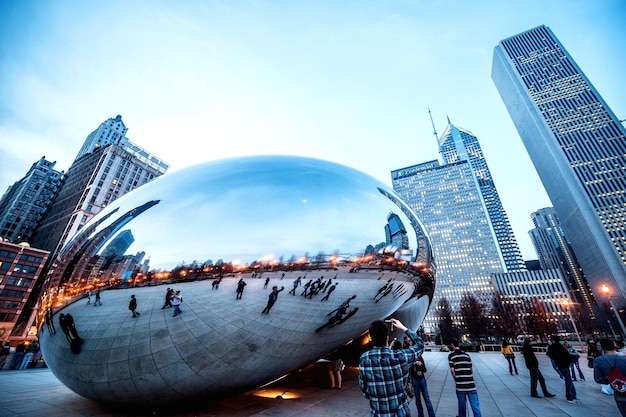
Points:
(343, 246)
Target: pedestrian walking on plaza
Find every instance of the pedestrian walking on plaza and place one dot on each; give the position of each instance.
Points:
(240, 286)
(88, 295)
(507, 351)
(18, 356)
(5, 352)
(533, 367)
(382, 377)
(31, 350)
(177, 299)
(272, 299)
(556, 368)
(463, 375)
(602, 367)
(562, 360)
(334, 371)
(132, 306)
(97, 302)
(574, 365)
(267, 280)
(417, 372)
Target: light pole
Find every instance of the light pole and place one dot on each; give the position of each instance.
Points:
(605, 289)
(566, 304)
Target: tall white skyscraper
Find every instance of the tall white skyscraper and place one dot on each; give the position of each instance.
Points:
(452, 201)
(577, 145)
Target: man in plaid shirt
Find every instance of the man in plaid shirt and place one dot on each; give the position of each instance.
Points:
(382, 371)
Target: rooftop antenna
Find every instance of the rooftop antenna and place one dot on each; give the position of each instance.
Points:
(433, 124)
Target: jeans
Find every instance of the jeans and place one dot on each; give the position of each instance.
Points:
(535, 375)
(177, 310)
(511, 361)
(575, 365)
(462, 397)
(421, 389)
(570, 391)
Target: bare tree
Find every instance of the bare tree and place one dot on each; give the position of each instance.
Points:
(474, 317)
(444, 314)
(538, 319)
(505, 317)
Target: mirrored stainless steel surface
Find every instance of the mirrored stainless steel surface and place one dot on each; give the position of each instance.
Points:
(252, 219)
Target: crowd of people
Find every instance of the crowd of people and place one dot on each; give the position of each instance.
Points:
(390, 374)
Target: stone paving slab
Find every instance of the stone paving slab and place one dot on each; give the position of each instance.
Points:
(306, 394)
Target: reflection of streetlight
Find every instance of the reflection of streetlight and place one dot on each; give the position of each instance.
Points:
(605, 289)
(566, 304)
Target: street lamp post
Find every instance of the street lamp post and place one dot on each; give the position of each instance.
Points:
(566, 303)
(605, 289)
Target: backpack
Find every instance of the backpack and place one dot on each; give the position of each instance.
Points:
(617, 380)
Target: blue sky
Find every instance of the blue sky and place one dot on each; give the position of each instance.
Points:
(349, 81)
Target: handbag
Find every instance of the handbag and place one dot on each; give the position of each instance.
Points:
(410, 390)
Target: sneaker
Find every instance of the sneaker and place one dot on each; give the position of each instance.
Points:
(574, 401)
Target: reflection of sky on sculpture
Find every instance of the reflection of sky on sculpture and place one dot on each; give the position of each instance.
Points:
(247, 208)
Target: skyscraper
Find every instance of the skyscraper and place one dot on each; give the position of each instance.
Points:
(457, 144)
(23, 205)
(577, 145)
(555, 252)
(104, 170)
(112, 131)
(452, 202)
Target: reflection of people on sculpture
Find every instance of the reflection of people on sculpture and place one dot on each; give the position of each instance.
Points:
(340, 314)
(267, 280)
(66, 321)
(327, 284)
(240, 286)
(49, 318)
(383, 288)
(330, 290)
(296, 284)
(132, 306)
(168, 298)
(399, 291)
(272, 299)
(97, 302)
(306, 288)
(383, 292)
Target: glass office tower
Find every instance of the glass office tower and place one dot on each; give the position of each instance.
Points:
(577, 145)
(460, 207)
(457, 144)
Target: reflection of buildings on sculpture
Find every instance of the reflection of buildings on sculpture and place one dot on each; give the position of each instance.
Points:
(461, 210)
(20, 265)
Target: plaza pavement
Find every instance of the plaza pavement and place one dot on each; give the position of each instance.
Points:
(306, 394)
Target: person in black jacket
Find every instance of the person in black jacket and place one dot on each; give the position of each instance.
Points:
(560, 355)
(533, 367)
(418, 378)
